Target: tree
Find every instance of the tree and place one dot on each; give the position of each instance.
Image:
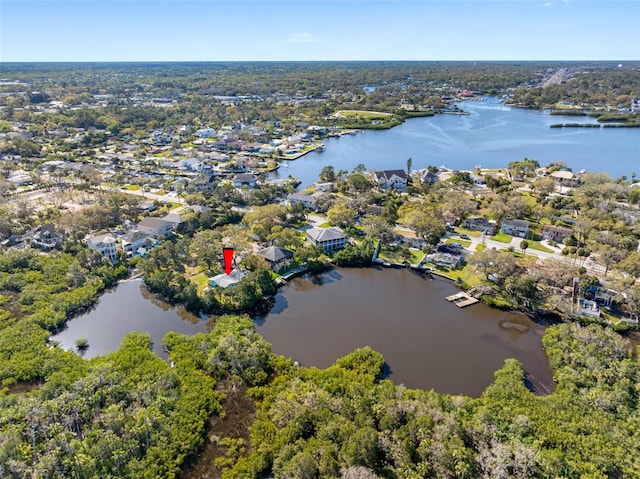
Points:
(341, 215)
(524, 244)
(327, 173)
(544, 186)
(409, 165)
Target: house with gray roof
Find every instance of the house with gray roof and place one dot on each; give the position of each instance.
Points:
(396, 179)
(156, 226)
(137, 243)
(330, 239)
(244, 179)
(276, 257)
(515, 227)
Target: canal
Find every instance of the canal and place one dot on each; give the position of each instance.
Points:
(426, 341)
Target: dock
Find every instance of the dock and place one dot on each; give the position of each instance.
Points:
(462, 299)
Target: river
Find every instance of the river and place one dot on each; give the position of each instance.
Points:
(426, 341)
(491, 136)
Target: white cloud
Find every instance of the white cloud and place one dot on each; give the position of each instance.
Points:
(301, 37)
(548, 4)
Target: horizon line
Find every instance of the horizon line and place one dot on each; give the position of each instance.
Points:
(615, 60)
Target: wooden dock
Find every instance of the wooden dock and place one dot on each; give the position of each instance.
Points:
(462, 299)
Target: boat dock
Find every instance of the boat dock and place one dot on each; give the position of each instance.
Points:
(462, 299)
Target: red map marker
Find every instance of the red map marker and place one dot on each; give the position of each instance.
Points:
(227, 253)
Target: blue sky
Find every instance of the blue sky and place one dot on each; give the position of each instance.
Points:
(247, 30)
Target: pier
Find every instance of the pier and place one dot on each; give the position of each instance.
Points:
(462, 299)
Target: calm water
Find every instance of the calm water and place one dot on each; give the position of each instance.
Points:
(128, 307)
(491, 136)
(426, 341)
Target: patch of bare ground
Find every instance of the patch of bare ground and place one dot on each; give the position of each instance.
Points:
(227, 435)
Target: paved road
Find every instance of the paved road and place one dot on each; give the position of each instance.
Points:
(592, 268)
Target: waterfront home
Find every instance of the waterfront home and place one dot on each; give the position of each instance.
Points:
(396, 179)
(224, 280)
(324, 185)
(137, 243)
(330, 239)
(556, 233)
(308, 201)
(566, 179)
(276, 257)
(587, 308)
(46, 237)
(155, 226)
(446, 255)
(515, 227)
(244, 179)
(105, 244)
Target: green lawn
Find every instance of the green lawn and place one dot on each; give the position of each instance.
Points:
(463, 231)
(392, 254)
(201, 280)
(501, 237)
(528, 199)
(464, 243)
(481, 247)
(367, 115)
(536, 245)
(133, 187)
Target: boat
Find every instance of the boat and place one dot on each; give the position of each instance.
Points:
(320, 147)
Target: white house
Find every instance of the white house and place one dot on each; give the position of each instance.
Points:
(224, 280)
(308, 201)
(330, 239)
(514, 227)
(396, 179)
(104, 244)
(155, 226)
(206, 133)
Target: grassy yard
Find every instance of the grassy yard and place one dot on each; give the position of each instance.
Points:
(501, 237)
(393, 255)
(467, 275)
(464, 243)
(201, 280)
(536, 245)
(463, 231)
(133, 187)
(367, 115)
(481, 247)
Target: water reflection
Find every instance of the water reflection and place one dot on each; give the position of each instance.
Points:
(426, 341)
(128, 307)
